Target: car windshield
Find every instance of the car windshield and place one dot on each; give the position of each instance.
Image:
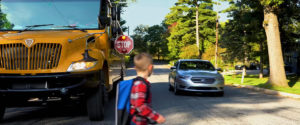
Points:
(62, 14)
(196, 65)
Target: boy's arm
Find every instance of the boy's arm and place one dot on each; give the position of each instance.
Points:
(138, 100)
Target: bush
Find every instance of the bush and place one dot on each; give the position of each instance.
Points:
(189, 52)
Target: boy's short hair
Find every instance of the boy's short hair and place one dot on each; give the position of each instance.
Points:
(142, 61)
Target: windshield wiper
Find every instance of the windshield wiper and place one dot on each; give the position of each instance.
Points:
(73, 27)
(33, 26)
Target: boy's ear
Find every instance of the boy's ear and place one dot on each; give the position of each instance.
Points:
(150, 66)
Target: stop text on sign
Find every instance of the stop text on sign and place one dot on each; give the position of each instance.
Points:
(125, 44)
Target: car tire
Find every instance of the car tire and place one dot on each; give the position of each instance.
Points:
(96, 101)
(176, 91)
(2, 109)
(220, 94)
(170, 86)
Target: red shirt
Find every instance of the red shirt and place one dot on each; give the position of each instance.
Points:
(141, 107)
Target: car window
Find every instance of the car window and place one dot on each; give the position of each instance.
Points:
(196, 65)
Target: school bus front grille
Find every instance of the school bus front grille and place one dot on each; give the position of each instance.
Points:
(41, 56)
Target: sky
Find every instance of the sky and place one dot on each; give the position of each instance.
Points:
(152, 12)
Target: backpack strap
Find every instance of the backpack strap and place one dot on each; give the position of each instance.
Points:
(144, 82)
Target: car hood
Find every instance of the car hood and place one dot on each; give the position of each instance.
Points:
(199, 73)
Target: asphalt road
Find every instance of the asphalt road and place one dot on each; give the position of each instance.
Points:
(237, 107)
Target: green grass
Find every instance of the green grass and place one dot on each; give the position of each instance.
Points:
(293, 81)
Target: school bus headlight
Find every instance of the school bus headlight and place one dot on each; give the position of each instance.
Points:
(81, 66)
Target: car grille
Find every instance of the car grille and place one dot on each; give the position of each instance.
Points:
(203, 80)
(41, 56)
(203, 88)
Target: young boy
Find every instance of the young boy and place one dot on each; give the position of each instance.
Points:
(140, 100)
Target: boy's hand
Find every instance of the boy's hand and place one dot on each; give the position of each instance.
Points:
(161, 119)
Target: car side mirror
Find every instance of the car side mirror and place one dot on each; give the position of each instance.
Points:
(219, 69)
(173, 68)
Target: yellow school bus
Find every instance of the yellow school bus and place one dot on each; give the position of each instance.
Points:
(58, 51)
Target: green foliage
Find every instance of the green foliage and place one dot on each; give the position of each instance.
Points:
(248, 15)
(140, 44)
(210, 55)
(243, 34)
(152, 40)
(155, 40)
(4, 23)
(189, 52)
(289, 19)
(272, 3)
(182, 26)
(120, 3)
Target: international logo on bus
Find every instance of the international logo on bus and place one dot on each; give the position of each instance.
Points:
(29, 42)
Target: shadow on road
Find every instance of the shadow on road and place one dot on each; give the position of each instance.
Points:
(195, 107)
(55, 115)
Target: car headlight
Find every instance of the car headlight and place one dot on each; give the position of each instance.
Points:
(220, 78)
(81, 66)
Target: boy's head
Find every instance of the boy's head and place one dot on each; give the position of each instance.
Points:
(143, 63)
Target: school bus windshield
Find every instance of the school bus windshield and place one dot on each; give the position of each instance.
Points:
(61, 14)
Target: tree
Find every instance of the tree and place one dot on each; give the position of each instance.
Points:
(121, 4)
(288, 11)
(4, 23)
(271, 26)
(189, 52)
(243, 31)
(156, 40)
(183, 26)
(151, 39)
(139, 39)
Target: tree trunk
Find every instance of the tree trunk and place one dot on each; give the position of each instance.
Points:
(261, 66)
(197, 30)
(217, 41)
(277, 72)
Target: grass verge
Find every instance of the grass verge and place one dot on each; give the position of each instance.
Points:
(293, 81)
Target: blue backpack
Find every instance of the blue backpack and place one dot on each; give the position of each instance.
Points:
(123, 116)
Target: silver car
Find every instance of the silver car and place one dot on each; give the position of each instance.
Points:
(195, 75)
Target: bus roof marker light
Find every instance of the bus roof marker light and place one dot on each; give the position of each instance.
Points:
(123, 37)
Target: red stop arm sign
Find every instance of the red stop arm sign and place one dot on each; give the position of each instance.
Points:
(124, 44)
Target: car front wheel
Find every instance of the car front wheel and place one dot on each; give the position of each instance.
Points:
(176, 91)
(171, 88)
